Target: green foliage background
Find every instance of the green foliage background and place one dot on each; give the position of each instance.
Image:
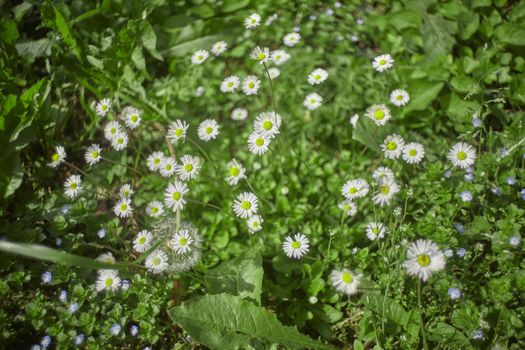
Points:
(455, 58)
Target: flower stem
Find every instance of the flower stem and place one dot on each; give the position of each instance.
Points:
(124, 165)
(421, 325)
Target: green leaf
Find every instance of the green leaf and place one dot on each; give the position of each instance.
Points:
(422, 93)
(511, 33)
(369, 134)
(9, 31)
(241, 276)
(225, 321)
(446, 334)
(193, 45)
(57, 256)
(53, 18)
(149, 39)
(468, 24)
(437, 32)
(29, 50)
(234, 5)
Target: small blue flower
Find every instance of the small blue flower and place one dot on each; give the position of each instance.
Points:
(79, 339)
(36, 347)
(58, 241)
(101, 233)
(447, 174)
(46, 277)
(495, 191)
(459, 227)
(476, 122)
(469, 177)
(510, 180)
(45, 342)
(134, 330)
(337, 4)
(115, 329)
(296, 29)
(62, 296)
(65, 208)
(503, 152)
(466, 196)
(477, 334)
(73, 308)
(449, 253)
(329, 12)
(125, 285)
(515, 241)
(454, 293)
(469, 170)
(461, 252)
(522, 193)
(313, 17)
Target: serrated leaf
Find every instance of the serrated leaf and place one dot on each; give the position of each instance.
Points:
(225, 321)
(241, 276)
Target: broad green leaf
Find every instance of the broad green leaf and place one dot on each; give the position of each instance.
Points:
(369, 134)
(57, 256)
(234, 5)
(444, 333)
(225, 321)
(511, 33)
(30, 50)
(9, 31)
(422, 93)
(149, 39)
(241, 276)
(437, 32)
(53, 18)
(194, 45)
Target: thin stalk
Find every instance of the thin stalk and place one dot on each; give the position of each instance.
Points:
(124, 165)
(421, 325)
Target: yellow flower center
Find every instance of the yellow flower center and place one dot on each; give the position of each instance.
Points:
(156, 161)
(209, 129)
(123, 207)
(251, 85)
(347, 277)
(230, 84)
(382, 62)
(267, 125)
(134, 118)
(352, 190)
(188, 168)
(120, 141)
(104, 107)
(183, 241)
(179, 132)
(423, 259)
(392, 145)
(109, 282)
(261, 56)
(156, 261)
(462, 155)
(55, 157)
(379, 114)
(95, 154)
(234, 171)
(200, 57)
(412, 152)
(168, 167)
(317, 77)
(399, 97)
(246, 205)
(296, 245)
(142, 240)
(259, 141)
(74, 186)
(384, 190)
(176, 196)
(155, 210)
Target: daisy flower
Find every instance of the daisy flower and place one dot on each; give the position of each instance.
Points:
(375, 230)
(261, 54)
(274, 73)
(208, 130)
(399, 97)
(189, 167)
(143, 241)
(239, 114)
(58, 157)
(131, 117)
(103, 107)
(177, 131)
(383, 174)
(251, 85)
(167, 167)
(157, 262)
(73, 186)
(267, 124)
(345, 281)
(154, 161)
(199, 57)
(280, 57)
(382, 63)
(230, 84)
(93, 154)
(246, 205)
(291, 39)
(393, 146)
(296, 246)
(385, 193)
(313, 101)
(154, 209)
(107, 279)
(317, 76)
(379, 114)
(462, 155)
(120, 141)
(112, 129)
(174, 195)
(253, 21)
(258, 144)
(423, 259)
(413, 153)
(126, 191)
(219, 48)
(355, 189)
(254, 223)
(348, 207)
(123, 208)
(181, 242)
(107, 258)
(236, 172)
